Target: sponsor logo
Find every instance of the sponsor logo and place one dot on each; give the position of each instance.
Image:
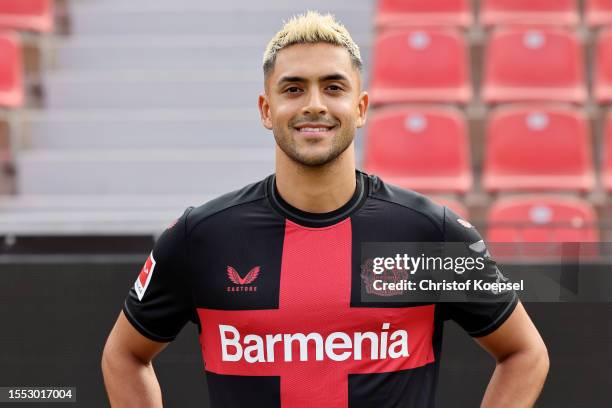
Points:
(337, 346)
(464, 223)
(243, 284)
(144, 278)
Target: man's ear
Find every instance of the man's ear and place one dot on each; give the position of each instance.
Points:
(362, 109)
(264, 111)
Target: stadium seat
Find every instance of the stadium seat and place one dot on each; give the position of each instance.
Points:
(513, 12)
(405, 13)
(35, 15)
(425, 149)
(607, 161)
(534, 148)
(517, 224)
(603, 67)
(456, 206)
(544, 64)
(420, 65)
(598, 12)
(11, 88)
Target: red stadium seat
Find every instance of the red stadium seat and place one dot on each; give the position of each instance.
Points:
(35, 15)
(603, 67)
(404, 13)
(425, 149)
(534, 65)
(420, 65)
(456, 206)
(513, 12)
(11, 89)
(538, 148)
(598, 12)
(607, 162)
(521, 222)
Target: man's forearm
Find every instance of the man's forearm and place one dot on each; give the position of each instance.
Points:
(517, 380)
(130, 382)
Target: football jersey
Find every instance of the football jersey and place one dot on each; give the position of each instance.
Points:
(277, 294)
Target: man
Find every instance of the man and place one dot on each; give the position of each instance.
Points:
(271, 273)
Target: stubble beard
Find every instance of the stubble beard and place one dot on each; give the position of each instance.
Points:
(285, 141)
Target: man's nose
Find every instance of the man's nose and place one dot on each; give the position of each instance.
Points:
(314, 104)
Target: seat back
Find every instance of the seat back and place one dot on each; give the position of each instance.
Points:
(543, 64)
(535, 147)
(418, 143)
(414, 64)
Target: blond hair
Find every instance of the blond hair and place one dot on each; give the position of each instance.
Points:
(310, 28)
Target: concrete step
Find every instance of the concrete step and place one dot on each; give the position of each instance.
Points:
(205, 52)
(140, 171)
(204, 18)
(153, 90)
(154, 129)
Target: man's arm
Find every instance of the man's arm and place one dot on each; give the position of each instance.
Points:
(126, 366)
(522, 362)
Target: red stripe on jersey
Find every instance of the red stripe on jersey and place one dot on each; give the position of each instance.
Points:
(315, 293)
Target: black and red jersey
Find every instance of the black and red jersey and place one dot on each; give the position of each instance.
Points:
(277, 295)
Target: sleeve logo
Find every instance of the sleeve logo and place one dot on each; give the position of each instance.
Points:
(464, 223)
(144, 278)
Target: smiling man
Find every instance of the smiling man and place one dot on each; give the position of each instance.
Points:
(272, 273)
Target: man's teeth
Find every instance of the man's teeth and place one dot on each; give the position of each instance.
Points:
(310, 129)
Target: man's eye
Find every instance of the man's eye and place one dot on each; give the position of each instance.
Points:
(292, 89)
(334, 88)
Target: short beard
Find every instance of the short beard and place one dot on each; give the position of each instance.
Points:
(339, 146)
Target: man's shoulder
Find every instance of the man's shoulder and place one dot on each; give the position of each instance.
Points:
(247, 194)
(414, 202)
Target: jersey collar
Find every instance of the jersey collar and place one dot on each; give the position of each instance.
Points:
(317, 220)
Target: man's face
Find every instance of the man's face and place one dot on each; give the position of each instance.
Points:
(313, 102)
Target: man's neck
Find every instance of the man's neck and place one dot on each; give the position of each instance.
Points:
(316, 189)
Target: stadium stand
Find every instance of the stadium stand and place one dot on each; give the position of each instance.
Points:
(598, 13)
(425, 149)
(11, 82)
(135, 94)
(33, 15)
(138, 95)
(529, 64)
(404, 13)
(425, 65)
(603, 67)
(521, 12)
(538, 148)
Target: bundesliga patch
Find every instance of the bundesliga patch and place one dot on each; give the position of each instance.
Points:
(144, 278)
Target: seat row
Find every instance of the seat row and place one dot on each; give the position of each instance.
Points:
(539, 227)
(520, 64)
(531, 147)
(403, 13)
(536, 218)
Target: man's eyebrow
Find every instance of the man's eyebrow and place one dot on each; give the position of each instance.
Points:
(334, 77)
(330, 77)
(290, 79)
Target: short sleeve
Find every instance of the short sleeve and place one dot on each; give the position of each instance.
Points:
(483, 313)
(160, 302)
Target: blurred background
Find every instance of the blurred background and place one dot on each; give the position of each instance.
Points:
(117, 115)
